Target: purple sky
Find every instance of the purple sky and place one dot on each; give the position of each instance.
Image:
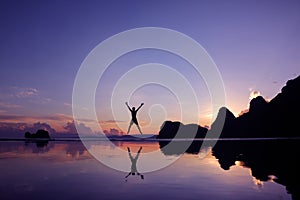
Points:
(255, 45)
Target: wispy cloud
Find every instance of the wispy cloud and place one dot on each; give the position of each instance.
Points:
(253, 94)
(71, 127)
(11, 117)
(68, 105)
(9, 105)
(113, 131)
(13, 128)
(26, 92)
(19, 128)
(23, 118)
(111, 121)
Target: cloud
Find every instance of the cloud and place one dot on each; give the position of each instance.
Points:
(56, 120)
(9, 105)
(29, 94)
(58, 117)
(111, 121)
(8, 118)
(107, 125)
(26, 92)
(17, 129)
(8, 128)
(71, 128)
(113, 131)
(11, 129)
(254, 94)
(68, 105)
(23, 118)
(39, 125)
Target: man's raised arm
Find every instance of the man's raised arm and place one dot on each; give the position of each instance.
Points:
(128, 106)
(140, 106)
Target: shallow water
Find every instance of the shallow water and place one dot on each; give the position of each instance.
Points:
(258, 169)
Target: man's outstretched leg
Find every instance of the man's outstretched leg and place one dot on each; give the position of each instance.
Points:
(129, 127)
(139, 129)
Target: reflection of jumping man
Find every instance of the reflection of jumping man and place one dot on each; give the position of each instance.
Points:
(133, 117)
(133, 164)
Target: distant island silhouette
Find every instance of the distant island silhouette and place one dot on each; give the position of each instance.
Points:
(39, 134)
(277, 118)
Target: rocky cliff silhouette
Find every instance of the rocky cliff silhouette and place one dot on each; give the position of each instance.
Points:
(277, 118)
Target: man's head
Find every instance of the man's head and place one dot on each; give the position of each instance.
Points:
(133, 108)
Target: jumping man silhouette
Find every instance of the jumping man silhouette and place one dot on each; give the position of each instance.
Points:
(133, 117)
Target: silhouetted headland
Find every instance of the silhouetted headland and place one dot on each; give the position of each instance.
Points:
(277, 118)
(176, 148)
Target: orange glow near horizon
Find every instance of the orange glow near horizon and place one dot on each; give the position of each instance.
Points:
(148, 126)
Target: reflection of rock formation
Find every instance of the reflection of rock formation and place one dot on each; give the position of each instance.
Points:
(264, 158)
(171, 129)
(278, 118)
(41, 146)
(180, 147)
(39, 143)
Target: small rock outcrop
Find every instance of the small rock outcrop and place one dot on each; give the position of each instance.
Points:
(39, 134)
(171, 130)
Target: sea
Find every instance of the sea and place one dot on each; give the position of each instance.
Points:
(147, 168)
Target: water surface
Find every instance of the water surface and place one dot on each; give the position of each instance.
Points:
(233, 169)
